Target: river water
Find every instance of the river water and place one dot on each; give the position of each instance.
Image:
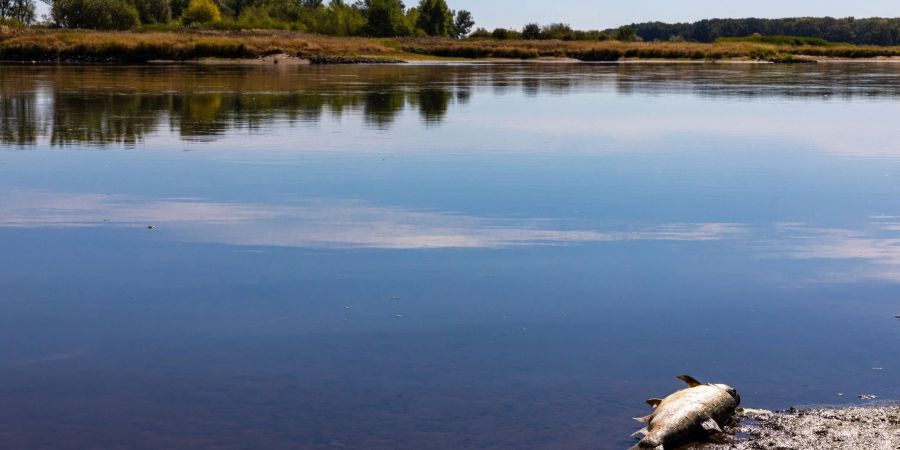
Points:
(440, 257)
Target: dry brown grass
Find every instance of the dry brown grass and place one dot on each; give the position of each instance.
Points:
(82, 45)
(615, 50)
(86, 46)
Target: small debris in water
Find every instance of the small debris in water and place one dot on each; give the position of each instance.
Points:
(348, 307)
(878, 368)
(399, 316)
(868, 397)
(840, 394)
(395, 297)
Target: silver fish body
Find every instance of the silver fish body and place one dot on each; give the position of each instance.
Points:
(689, 415)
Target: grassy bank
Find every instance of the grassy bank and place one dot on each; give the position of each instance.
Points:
(136, 47)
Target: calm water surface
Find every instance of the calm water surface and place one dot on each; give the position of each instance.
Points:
(437, 257)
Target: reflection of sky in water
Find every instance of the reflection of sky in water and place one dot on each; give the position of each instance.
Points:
(412, 257)
(320, 224)
(352, 224)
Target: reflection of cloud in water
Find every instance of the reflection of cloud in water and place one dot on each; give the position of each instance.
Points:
(321, 223)
(873, 252)
(878, 248)
(863, 130)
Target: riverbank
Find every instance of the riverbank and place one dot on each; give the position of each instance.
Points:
(82, 46)
(849, 428)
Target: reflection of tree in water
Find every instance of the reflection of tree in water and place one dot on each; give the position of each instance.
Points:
(124, 106)
(100, 105)
(19, 120)
(433, 104)
(105, 118)
(382, 106)
(198, 116)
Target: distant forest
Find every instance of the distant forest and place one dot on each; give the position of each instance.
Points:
(392, 18)
(874, 31)
(378, 18)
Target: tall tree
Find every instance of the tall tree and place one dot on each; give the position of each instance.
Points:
(385, 17)
(531, 31)
(343, 19)
(435, 18)
(462, 23)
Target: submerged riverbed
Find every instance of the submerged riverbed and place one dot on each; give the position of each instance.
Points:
(407, 257)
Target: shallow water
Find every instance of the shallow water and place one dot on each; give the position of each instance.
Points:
(408, 257)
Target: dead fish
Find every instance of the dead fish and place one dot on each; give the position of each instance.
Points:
(689, 415)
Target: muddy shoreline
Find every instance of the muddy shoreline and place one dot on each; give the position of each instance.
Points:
(289, 60)
(869, 427)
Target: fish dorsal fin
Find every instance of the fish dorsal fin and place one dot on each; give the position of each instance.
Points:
(654, 402)
(645, 419)
(691, 381)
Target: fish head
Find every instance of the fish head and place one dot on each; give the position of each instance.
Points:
(731, 391)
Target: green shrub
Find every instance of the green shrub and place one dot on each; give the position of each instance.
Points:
(795, 41)
(96, 14)
(558, 31)
(480, 33)
(503, 33)
(257, 17)
(200, 12)
(10, 23)
(625, 34)
(342, 20)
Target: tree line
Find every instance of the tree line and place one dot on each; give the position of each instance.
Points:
(21, 11)
(558, 31)
(390, 18)
(872, 31)
(379, 18)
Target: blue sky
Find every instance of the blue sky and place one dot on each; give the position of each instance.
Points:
(607, 14)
